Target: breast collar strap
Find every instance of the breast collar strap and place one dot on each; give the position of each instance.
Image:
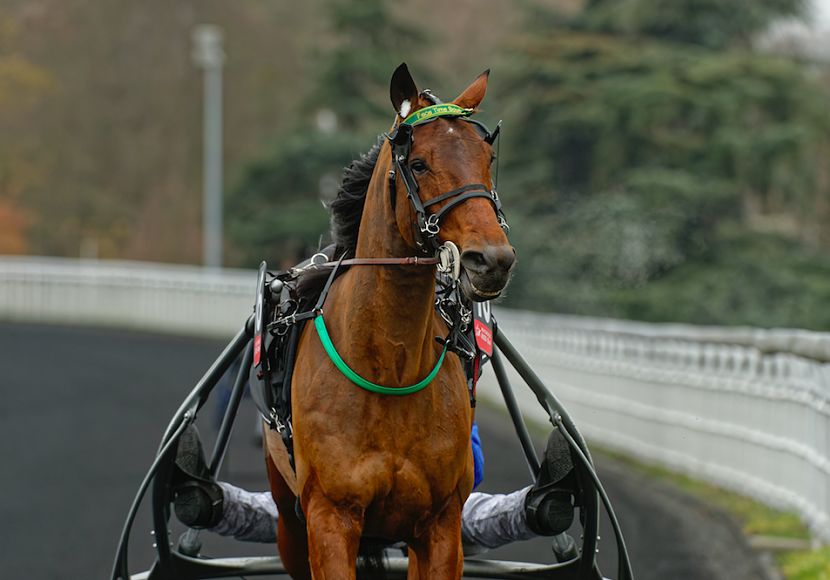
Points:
(427, 225)
(317, 314)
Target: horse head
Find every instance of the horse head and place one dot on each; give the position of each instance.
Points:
(445, 186)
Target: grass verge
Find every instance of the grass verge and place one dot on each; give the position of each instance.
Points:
(812, 565)
(756, 519)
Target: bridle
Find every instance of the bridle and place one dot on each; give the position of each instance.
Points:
(444, 256)
(428, 224)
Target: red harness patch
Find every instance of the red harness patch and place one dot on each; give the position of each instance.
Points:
(483, 327)
(483, 331)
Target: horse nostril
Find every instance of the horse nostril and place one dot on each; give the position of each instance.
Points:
(500, 257)
(490, 259)
(474, 261)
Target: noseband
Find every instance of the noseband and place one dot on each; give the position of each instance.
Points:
(401, 138)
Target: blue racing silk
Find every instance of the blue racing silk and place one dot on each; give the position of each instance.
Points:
(478, 457)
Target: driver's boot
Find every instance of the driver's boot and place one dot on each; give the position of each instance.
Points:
(549, 505)
(197, 499)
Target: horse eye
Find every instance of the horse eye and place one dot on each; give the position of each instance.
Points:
(493, 158)
(418, 166)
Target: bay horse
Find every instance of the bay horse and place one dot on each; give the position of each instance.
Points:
(397, 468)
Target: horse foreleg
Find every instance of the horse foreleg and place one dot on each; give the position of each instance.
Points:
(438, 552)
(291, 532)
(333, 538)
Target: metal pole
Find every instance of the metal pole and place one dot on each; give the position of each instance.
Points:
(224, 434)
(208, 55)
(515, 414)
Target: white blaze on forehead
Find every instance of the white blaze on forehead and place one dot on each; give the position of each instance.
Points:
(450, 130)
(405, 107)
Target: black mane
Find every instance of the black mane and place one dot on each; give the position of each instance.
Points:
(347, 208)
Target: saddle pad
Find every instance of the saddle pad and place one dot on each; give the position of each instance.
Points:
(279, 455)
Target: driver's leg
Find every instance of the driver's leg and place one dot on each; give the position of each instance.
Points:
(487, 520)
(247, 516)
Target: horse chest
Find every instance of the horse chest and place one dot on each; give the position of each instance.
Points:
(398, 447)
(403, 458)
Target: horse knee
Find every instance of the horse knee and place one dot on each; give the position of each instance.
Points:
(333, 538)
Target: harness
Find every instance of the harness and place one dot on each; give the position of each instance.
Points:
(283, 303)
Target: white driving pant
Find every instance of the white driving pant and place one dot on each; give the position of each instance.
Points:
(487, 521)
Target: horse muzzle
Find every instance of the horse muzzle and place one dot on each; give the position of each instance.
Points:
(486, 271)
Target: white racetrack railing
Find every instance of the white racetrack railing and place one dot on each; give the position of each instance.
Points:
(736, 407)
(157, 297)
(748, 409)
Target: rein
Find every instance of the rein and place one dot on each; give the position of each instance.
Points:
(407, 261)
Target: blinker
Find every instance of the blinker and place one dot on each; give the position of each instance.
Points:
(484, 132)
(491, 137)
(402, 135)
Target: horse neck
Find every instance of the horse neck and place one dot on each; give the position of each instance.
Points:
(398, 299)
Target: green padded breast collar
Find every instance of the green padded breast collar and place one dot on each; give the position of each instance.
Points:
(338, 361)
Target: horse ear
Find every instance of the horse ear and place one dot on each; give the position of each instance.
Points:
(471, 97)
(402, 91)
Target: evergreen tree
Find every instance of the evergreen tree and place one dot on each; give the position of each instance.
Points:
(647, 129)
(354, 77)
(710, 23)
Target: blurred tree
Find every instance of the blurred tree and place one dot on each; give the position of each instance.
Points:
(113, 145)
(645, 127)
(711, 23)
(368, 43)
(23, 87)
(276, 209)
(13, 225)
(599, 106)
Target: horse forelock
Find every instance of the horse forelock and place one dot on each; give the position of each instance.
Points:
(347, 208)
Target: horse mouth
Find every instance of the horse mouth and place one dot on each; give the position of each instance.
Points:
(481, 292)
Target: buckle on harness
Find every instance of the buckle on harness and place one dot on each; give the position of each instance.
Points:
(431, 226)
(283, 428)
(450, 260)
(499, 213)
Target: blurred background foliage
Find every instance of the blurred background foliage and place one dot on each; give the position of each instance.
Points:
(276, 208)
(684, 175)
(654, 165)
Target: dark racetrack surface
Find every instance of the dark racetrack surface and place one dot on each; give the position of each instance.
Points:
(82, 411)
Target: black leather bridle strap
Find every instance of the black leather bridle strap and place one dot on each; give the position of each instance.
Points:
(427, 225)
(411, 191)
(459, 191)
(439, 215)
